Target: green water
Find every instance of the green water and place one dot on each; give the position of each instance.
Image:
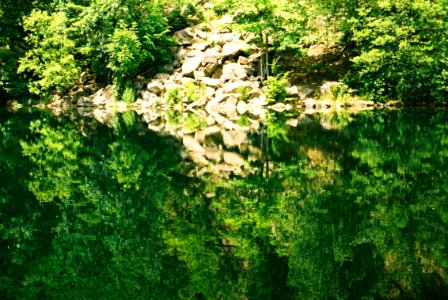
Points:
(304, 207)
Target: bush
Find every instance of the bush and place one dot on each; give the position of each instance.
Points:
(129, 94)
(194, 92)
(244, 93)
(276, 88)
(51, 61)
(402, 51)
(115, 40)
(173, 96)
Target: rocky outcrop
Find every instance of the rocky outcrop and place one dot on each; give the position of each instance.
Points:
(214, 70)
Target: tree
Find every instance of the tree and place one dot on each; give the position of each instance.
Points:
(401, 50)
(114, 40)
(278, 26)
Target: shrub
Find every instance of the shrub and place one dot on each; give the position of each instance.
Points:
(173, 96)
(129, 94)
(51, 61)
(401, 50)
(244, 93)
(194, 92)
(276, 88)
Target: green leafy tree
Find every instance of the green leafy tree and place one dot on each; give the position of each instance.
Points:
(400, 50)
(13, 46)
(51, 57)
(277, 26)
(113, 40)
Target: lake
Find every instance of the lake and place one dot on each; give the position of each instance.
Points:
(95, 205)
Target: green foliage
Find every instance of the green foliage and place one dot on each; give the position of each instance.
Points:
(54, 151)
(194, 92)
(337, 92)
(401, 50)
(276, 88)
(281, 21)
(125, 54)
(182, 13)
(349, 213)
(244, 93)
(129, 94)
(51, 58)
(114, 40)
(173, 96)
(194, 122)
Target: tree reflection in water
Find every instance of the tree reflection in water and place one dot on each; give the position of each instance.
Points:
(342, 206)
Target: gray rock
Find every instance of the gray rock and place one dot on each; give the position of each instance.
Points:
(180, 55)
(96, 99)
(292, 122)
(229, 105)
(192, 145)
(185, 80)
(218, 73)
(254, 57)
(201, 34)
(232, 87)
(155, 87)
(233, 138)
(305, 92)
(198, 74)
(241, 107)
(184, 36)
(211, 82)
(200, 46)
(210, 68)
(257, 102)
(255, 93)
(233, 71)
(292, 90)
(232, 48)
(232, 158)
(221, 38)
(329, 87)
(242, 60)
(280, 107)
(258, 111)
(191, 65)
(162, 76)
(148, 96)
(213, 154)
(309, 103)
(193, 53)
(209, 92)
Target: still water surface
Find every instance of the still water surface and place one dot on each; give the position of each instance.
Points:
(296, 207)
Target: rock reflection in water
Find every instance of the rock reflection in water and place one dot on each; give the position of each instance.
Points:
(173, 204)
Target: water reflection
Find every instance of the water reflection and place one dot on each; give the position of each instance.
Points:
(174, 206)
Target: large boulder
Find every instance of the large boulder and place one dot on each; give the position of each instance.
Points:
(155, 87)
(192, 64)
(184, 37)
(233, 138)
(212, 60)
(233, 71)
(233, 48)
(221, 38)
(211, 82)
(232, 158)
(234, 86)
(192, 145)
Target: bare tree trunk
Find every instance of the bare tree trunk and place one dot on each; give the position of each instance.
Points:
(261, 71)
(266, 49)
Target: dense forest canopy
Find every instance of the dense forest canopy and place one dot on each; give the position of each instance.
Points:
(393, 49)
